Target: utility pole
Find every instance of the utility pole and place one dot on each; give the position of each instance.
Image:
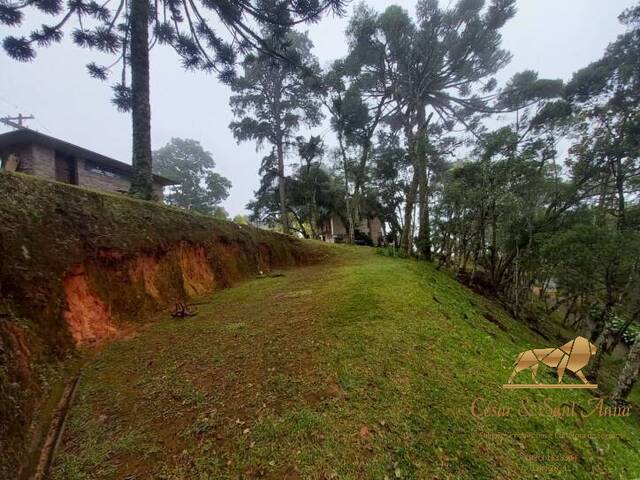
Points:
(16, 122)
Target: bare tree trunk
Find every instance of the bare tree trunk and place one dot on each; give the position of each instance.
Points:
(300, 228)
(601, 322)
(406, 237)
(620, 193)
(424, 232)
(629, 375)
(350, 226)
(347, 199)
(142, 178)
(602, 199)
(358, 183)
(569, 311)
(284, 219)
(313, 215)
(312, 205)
(602, 340)
(406, 240)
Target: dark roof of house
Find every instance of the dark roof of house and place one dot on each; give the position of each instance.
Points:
(26, 136)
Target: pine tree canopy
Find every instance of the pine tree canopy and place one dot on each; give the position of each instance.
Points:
(206, 34)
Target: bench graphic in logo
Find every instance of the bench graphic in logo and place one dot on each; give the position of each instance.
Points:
(572, 356)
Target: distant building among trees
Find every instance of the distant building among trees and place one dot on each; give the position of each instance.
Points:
(368, 231)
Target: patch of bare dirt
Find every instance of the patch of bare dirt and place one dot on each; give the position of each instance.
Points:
(87, 316)
(197, 276)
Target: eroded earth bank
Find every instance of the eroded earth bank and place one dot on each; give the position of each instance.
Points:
(79, 268)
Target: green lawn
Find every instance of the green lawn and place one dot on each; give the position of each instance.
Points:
(365, 367)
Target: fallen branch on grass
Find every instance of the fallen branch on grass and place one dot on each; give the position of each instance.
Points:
(269, 275)
(183, 310)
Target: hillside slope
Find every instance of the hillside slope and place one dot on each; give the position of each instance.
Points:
(79, 267)
(365, 367)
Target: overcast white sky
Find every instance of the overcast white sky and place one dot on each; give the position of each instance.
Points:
(553, 37)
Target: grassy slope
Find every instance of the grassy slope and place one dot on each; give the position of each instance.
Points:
(48, 229)
(347, 370)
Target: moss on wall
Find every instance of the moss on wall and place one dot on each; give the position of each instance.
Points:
(78, 266)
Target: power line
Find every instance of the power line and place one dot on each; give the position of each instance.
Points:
(16, 122)
(13, 106)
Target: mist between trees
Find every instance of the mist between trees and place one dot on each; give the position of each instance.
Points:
(507, 209)
(511, 210)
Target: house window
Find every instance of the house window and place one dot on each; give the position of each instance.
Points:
(100, 170)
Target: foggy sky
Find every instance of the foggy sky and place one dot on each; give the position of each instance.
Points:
(553, 37)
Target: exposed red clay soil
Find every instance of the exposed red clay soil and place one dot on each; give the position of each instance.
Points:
(174, 274)
(197, 276)
(87, 317)
(91, 319)
(146, 268)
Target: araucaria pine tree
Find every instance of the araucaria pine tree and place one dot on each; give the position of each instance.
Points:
(129, 28)
(274, 98)
(438, 68)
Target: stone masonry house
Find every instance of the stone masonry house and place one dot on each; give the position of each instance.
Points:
(34, 153)
(334, 230)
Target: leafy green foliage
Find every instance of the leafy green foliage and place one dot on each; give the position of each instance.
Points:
(199, 188)
(273, 99)
(594, 260)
